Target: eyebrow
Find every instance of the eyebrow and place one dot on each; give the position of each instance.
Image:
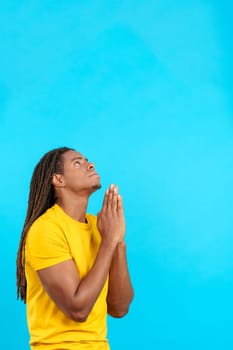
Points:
(79, 158)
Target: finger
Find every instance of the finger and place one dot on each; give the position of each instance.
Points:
(116, 189)
(105, 201)
(111, 188)
(114, 199)
(119, 203)
(110, 199)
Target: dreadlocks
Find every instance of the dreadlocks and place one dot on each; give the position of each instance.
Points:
(41, 197)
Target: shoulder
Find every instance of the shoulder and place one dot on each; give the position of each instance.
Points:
(46, 244)
(45, 229)
(48, 220)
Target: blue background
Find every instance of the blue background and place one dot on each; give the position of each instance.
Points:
(144, 89)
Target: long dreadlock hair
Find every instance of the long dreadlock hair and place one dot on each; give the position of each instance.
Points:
(41, 197)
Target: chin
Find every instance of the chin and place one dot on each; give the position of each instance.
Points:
(96, 187)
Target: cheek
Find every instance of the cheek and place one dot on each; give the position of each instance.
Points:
(72, 179)
(77, 177)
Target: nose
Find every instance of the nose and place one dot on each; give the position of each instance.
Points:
(90, 166)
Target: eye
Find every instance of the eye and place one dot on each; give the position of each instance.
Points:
(77, 163)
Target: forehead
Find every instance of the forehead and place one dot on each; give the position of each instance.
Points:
(70, 155)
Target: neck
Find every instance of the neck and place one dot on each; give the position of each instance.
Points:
(74, 207)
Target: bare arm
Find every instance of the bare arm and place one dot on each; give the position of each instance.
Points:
(75, 296)
(120, 292)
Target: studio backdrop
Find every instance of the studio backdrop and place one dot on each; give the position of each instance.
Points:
(144, 90)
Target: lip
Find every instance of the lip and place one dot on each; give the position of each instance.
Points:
(93, 174)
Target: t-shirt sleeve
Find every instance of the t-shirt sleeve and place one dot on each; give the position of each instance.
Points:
(46, 245)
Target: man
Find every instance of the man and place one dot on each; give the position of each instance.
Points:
(71, 266)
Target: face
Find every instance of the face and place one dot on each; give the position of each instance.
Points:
(79, 175)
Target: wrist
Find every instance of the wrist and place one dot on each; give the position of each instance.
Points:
(109, 244)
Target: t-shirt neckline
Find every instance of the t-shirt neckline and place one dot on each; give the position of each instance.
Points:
(67, 217)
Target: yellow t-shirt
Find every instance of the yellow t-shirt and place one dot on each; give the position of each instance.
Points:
(53, 238)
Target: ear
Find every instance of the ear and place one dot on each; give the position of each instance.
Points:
(58, 180)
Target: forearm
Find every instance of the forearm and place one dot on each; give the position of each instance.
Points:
(120, 292)
(91, 285)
